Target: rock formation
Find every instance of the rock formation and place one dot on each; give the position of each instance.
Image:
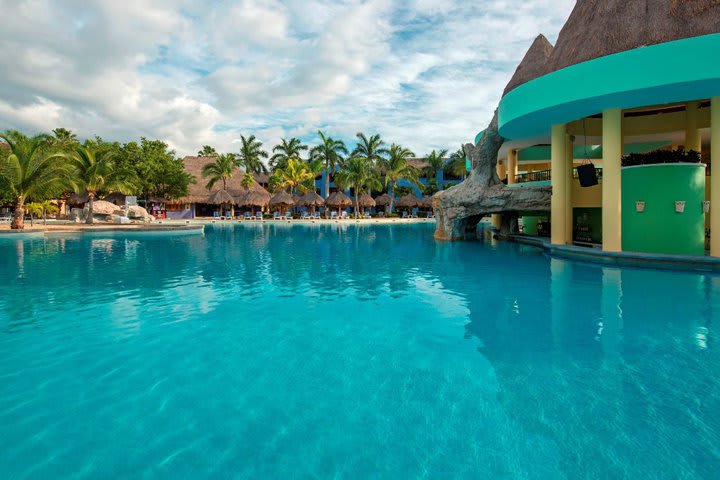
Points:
(483, 193)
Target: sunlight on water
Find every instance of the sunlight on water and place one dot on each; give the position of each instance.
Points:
(345, 351)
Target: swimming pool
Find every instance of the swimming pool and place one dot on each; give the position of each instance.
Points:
(345, 351)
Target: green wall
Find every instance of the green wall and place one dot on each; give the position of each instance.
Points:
(659, 229)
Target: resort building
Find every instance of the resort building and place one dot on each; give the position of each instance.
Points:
(638, 99)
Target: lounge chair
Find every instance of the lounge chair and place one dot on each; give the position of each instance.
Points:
(304, 216)
(430, 215)
(247, 216)
(216, 214)
(333, 215)
(344, 215)
(277, 216)
(405, 214)
(258, 216)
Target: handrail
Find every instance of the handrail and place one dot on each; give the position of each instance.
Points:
(545, 175)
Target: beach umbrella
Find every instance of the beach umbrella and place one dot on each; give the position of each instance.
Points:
(77, 199)
(255, 196)
(338, 200)
(383, 200)
(426, 202)
(409, 202)
(311, 200)
(221, 197)
(365, 200)
(282, 200)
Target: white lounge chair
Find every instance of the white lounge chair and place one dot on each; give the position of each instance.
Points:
(344, 215)
(333, 215)
(305, 216)
(258, 216)
(405, 214)
(247, 216)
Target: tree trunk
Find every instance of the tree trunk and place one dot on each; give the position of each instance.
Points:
(44, 217)
(326, 184)
(392, 197)
(90, 217)
(18, 219)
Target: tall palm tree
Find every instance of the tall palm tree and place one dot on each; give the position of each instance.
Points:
(330, 152)
(207, 151)
(457, 166)
(33, 169)
(371, 149)
(221, 169)
(359, 174)
(294, 177)
(396, 167)
(64, 139)
(436, 161)
(286, 150)
(250, 155)
(95, 169)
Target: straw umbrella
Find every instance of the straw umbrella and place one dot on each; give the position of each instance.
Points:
(311, 200)
(409, 201)
(338, 200)
(383, 200)
(222, 198)
(365, 201)
(282, 200)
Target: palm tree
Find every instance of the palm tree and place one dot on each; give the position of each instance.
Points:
(330, 152)
(48, 207)
(207, 151)
(64, 139)
(251, 154)
(396, 167)
(286, 150)
(295, 177)
(371, 149)
(359, 174)
(219, 170)
(33, 209)
(457, 165)
(436, 161)
(248, 180)
(33, 169)
(95, 170)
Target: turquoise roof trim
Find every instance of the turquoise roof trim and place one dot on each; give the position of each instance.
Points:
(674, 71)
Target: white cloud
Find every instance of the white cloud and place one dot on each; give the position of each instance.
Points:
(424, 73)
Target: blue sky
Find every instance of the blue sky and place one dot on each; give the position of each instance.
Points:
(423, 73)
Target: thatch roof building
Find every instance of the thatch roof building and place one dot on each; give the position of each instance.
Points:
(255, 195)
(338, 200)
(533, 65)
(282, 199)
(311, 199)
(366, 201)
(383, 200)
(408, 201)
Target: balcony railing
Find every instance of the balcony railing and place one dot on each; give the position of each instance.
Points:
(544, 176)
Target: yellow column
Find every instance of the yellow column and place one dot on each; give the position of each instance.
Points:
(569, 182)
(715, 177)
(692, 133)
(512, 166)
(558, 176)
(612, 144)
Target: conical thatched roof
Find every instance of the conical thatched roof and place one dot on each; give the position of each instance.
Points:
(338, 199)
(282, 198)
(115, 197)
(408, 201)
(365, 200)
(255, 197)
(311, 199)
(426, 202)
(598, 28)
(197, 193)
(383, 200)
(533, 65)
(221, 197)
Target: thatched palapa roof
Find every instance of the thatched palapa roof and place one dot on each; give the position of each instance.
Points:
(533, 65)
(408, 201)
(365, 200)
(426, 202)
(77, 199)
(311, 199)
(598, 28)
(197, 193)
(383, 200)
(221, 197)
(337, 200)
(282, 198)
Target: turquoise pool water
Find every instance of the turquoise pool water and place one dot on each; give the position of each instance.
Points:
(340, 351)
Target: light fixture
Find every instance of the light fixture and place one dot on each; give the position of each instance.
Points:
(679, 206)
(706, 206)
(640, 206)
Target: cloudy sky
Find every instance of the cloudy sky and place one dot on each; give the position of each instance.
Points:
(423, 73)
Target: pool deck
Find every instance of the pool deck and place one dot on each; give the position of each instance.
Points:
(638, 259)
(40, 230)
(320, 221)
